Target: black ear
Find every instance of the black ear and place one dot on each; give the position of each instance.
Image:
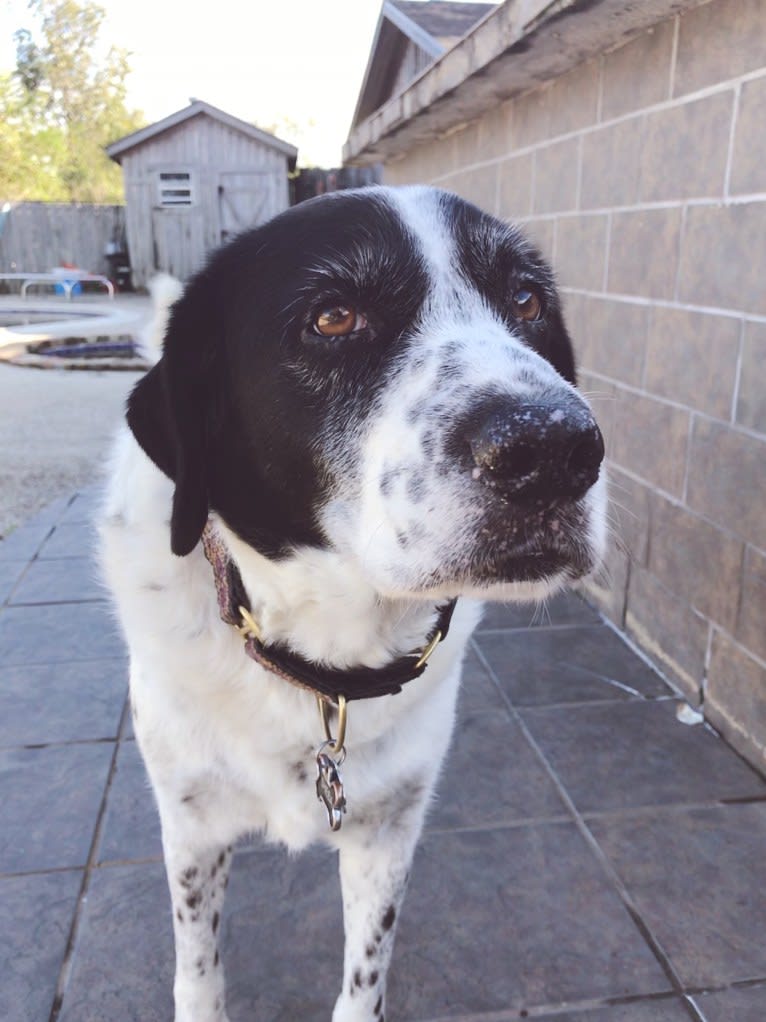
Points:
(170, 411)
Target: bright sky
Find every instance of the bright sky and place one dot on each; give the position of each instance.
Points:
(268, 62)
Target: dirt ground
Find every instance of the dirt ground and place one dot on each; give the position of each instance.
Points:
(56, 428)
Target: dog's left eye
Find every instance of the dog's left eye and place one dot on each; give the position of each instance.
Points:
(338, 321)
(526, 305)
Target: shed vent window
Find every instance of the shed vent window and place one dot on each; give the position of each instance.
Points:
(175, 188)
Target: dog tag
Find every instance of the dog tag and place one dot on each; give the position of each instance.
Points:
(330, 788)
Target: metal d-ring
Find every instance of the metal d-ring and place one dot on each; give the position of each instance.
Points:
(429, 650)
(336, 748)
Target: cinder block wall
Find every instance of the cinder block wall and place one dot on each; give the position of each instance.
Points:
(642, 175)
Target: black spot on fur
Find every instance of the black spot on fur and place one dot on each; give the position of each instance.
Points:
(216, 921)
(357, 982)
(200, 964)
(187, 798)
(180, 916)
(193, 899)
(373, 978)
(379, 1005)
(299, 772)
(370, 950)
(188, 875)
(216, 960)
(388, 919)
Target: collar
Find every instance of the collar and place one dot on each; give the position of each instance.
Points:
(327, 683)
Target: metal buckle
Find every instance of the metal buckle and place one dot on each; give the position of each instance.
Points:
(249, 629)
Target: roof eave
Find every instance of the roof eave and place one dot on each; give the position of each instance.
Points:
(514, 48)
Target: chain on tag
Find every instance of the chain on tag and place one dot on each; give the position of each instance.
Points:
(330, 787)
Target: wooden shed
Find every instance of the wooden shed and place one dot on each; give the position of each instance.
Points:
(194, 179)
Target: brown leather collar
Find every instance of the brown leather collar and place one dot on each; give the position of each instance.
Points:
(326, 682)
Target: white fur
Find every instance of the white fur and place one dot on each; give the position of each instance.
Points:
(230, 747)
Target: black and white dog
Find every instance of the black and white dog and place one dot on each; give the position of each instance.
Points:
(363, 410)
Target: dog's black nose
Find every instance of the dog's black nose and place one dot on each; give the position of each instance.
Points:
(545, 450)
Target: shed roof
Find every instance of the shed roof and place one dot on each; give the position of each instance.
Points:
(432, 26)
(196, 108)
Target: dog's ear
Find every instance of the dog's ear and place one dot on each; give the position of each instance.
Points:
(170, 410)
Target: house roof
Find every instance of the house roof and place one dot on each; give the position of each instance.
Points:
(518, 46)
(445, 21)
(197, 108)
(432, 26)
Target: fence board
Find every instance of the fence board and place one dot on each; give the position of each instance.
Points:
(36, 236)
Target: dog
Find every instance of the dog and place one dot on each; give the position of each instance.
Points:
(363, 422)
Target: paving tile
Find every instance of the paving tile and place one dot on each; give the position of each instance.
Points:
(282, 908)
(663, 1009)
(477, 690)
(131, 827)
(567, 665)
(23, 542)
(622, 755)
(49, 802)
(698, 877)
(564, 609)
(85, 505)
(10, 573)
(72, 579)
(654, 1009)
(62, 702)
(59, 632)
(281, 938)
(122, 968)
(745, 1004)
(509, 919)
(71, 539)
(51, 513)
(35, 917)
(491, 776)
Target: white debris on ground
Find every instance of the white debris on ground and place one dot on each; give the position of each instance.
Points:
(688, 715)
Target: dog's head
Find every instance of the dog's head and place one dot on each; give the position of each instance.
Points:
(384, 373)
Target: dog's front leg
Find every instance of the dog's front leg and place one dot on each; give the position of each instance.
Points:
(374, 869)
(197, 881)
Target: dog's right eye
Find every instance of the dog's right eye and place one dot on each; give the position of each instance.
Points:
(338, 321)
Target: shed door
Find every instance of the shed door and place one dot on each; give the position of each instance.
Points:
(245, 200)
(178, 239)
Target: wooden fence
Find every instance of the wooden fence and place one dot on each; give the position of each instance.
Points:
(36, 236)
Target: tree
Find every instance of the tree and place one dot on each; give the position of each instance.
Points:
(62, 105)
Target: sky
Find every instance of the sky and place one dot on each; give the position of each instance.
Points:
(270, 62)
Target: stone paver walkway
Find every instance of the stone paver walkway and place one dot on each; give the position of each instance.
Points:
(589, 859)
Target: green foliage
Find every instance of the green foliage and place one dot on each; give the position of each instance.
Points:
(63, 104)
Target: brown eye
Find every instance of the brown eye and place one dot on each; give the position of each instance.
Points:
(338, 321)
(526, 305)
